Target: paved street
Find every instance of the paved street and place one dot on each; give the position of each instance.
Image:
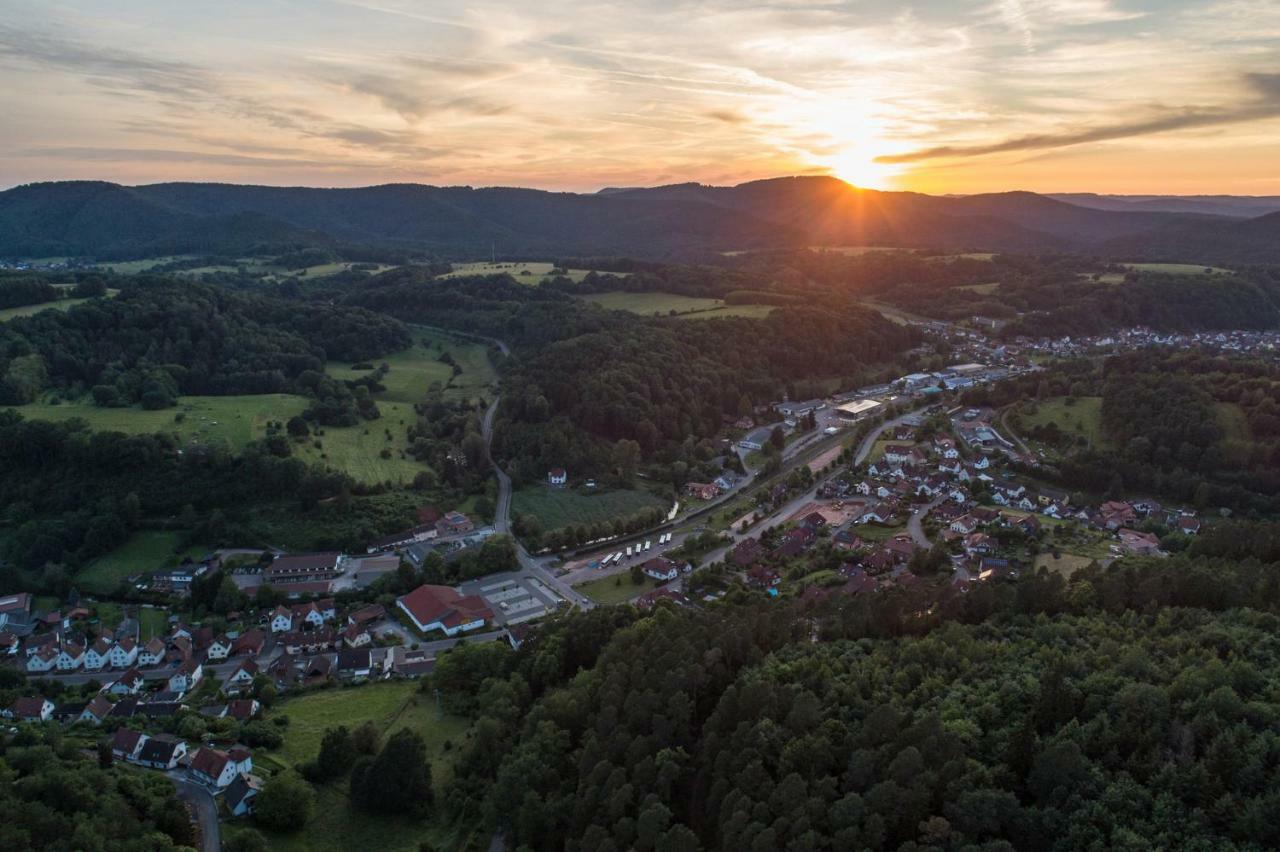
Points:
(205, 806)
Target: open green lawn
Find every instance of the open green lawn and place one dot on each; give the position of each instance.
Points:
(145, 551)
(523, 271)
(415, 369)
(615, 589)
(1083, 417)
(561, 507)
(390, 705)
(357, 450)
(335, 824)
(1065, 564)
(152, 622)
(233, 420)
(1178, 268)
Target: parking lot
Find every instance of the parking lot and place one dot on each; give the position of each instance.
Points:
(514, 597)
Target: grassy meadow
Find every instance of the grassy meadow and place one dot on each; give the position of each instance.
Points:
(335, 824)
(526, 272)
(671, 304)
(615, 589)
(556, 508)
(145, 551)
(1082, 418)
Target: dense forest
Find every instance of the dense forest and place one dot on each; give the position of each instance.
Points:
(1131, 708)
(585, 379)
(159, 338)
(53, 797)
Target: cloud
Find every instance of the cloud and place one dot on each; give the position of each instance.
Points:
(1264, 105)
(168, 155)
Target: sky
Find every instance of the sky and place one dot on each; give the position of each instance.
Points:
(938, 96)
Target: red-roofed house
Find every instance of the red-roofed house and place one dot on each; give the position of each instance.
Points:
(213, 767)
(127, 742)
(442, 608)
(31, 710)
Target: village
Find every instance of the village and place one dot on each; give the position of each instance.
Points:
(891, 486)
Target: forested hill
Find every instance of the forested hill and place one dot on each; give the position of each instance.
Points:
(1131, 708)
(108, 221)
(586, 379)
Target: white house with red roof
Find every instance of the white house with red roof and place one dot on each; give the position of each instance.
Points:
(213, 767)
(123, 654)
(442, 608)
(31, 710)
(557, 477)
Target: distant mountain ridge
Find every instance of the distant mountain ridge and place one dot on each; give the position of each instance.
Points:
(680, 221)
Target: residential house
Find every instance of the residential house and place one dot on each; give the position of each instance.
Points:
(70, 657)
(127, 743)
(367, 614)
(557, 477)
(702, 490)
(763, 577)
(356, 636)
(213, 767)
(408, 663)
(241, 709)
(186, 677)
(881, 513)
(36, 709)
(96, 711)
(241, 678)
(241, 794)
(44, 660)
(454, 523)
(309, 641)
(898, 453)
(15, 613)
(152, 653)
(846, 540)
(9, 644)
(123, 653)
(813, 521)
(964, 525)
(314, 613)
(1189, 526)
(661, 569)
(162, 752)
(241, 757)
(219, 648)
(442, 608)
(95, 656)
(1139, 543)
(354, 664)
(978, 544)
(129, 683)
(249, 644)
(900, 547)
(281, 620)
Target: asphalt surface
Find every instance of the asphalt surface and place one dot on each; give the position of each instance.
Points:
(206, 809)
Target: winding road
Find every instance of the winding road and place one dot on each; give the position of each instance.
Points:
(206, 808)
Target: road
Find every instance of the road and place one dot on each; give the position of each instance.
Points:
(502, 511)
(206, 809)
(915, 524)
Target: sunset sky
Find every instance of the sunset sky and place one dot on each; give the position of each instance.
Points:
(1125, 96)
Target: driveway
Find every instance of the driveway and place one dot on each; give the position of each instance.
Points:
(206, 809)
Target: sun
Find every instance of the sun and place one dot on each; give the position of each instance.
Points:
(858, 166)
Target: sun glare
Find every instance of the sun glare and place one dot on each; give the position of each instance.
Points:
(859, 167)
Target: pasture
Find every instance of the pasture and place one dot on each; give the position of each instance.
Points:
(1065, 564)
(145, 551)
(1177, 268)
(335, 824)
(416, 368)
(526, 272)
(556, 508)
(1082, 418)
(615, 588)
(230, 420)
(672, 304)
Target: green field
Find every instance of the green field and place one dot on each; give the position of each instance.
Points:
(335, 824)
(1065, 564)
(1084, 417)
(985, 289)
(416, 368)
(31, 310)
(671, 304)
(615, 589)
(144, 552)
(525, 272)
(561, 507)
(232, 420)
(1178, 268)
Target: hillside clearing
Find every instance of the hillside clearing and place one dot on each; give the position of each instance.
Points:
(145, 551)
(556, 508)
